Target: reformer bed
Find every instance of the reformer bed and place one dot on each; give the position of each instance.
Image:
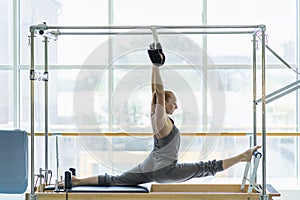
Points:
(155, 191)
(158, 192)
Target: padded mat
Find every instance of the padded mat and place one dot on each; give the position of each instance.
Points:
(110, 189)
(13, 161)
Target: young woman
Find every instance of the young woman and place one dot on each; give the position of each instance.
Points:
(162, 163)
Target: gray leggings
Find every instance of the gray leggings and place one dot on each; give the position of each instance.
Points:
(171, 174)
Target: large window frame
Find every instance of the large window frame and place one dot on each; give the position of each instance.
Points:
(17, 68)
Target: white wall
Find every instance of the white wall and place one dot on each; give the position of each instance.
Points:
(12, 196)
(289, 194)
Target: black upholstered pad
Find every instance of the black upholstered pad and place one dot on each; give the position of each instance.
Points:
(110, 189)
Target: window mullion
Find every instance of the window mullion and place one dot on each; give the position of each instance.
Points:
(16, 63)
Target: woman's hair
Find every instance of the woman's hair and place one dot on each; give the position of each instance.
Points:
(168, 94)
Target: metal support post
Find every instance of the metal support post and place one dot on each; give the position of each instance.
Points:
(46, 110)
(57, 164)
(254, 89)
(32, 194)
(264, 144)
(264, 197)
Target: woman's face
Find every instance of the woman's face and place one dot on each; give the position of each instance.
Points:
(171, 105)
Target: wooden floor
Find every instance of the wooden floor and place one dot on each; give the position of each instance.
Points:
(167, 192)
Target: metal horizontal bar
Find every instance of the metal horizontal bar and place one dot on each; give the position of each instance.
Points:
(149, 33)
(283, 94)
(130, 66)
(199, 134)
(279, 58)
(152, 26)
(279, 91)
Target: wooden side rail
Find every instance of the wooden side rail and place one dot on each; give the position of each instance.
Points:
(198, 134)
(166, 192)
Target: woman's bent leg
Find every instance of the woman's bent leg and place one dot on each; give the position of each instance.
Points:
(185, 171)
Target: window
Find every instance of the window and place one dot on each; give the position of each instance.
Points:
(6, 65)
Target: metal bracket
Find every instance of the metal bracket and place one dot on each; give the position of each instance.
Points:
(54, 34)
(39, 76)
(51, 35)
(29, 40)
(264, 197)
(33, 196)
(257, 155)
(41, 28)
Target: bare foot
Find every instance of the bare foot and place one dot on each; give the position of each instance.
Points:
(247, 155)
(74, 182)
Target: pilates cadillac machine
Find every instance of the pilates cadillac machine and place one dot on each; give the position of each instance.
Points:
(155, 191)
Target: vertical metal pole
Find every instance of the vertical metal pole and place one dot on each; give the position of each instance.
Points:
(264, 144)
(46, 109)
(254, 90)
(57, 158)
(32, 195)
(254, 95)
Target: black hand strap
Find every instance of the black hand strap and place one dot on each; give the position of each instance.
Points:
(156, 54)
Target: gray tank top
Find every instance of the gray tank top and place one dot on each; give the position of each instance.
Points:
(164, 153)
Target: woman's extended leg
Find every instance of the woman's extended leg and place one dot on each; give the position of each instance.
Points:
(185, 171)
(109, 180)
(93, 180)
(174, 173)
(131, 177)
(243, 157)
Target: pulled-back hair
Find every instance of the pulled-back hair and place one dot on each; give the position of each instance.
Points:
(168, 94)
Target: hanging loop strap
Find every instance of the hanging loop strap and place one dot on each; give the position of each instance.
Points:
(155, 52)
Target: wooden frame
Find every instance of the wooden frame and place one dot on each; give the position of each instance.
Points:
(168, 192)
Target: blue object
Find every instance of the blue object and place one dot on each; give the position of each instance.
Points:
(13, 161)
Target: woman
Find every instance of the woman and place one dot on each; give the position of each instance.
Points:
(161, 165)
